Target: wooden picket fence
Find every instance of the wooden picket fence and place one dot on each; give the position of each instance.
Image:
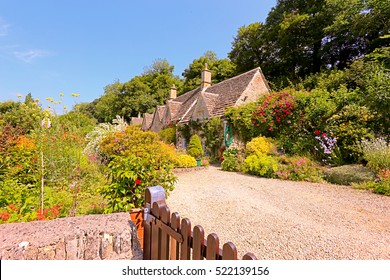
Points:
(167, 237)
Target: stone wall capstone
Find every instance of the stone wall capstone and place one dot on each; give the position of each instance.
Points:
(91, 237)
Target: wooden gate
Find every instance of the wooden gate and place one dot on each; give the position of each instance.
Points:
(167, 237)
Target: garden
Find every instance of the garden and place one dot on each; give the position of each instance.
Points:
(332, 128)
(66, 165)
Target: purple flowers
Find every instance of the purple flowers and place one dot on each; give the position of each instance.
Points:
(326, 145)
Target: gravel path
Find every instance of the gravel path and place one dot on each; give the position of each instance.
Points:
(277, 219)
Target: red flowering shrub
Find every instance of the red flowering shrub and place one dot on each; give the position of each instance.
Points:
(275, 111)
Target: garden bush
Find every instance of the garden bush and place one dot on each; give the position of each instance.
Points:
(168, 135)
(261, 165)
(259, 146)
(184, 161)
(136, 160)
(195, 147)
(275, 113)
(298, 168)
(230, 160)
(377, 154)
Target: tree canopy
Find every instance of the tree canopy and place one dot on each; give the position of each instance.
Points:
(300, 37)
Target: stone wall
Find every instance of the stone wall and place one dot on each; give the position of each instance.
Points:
(92, 237)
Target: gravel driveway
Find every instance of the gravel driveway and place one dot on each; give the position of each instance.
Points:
(277, 219)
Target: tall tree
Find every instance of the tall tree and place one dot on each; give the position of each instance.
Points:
(140, 94)
(222, 69)
(302, 37)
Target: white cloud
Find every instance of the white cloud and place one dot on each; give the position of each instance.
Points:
(30, 55)
(4, 27)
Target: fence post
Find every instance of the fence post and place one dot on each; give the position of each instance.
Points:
(152, 195)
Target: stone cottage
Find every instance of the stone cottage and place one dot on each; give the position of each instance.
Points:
(208, 100)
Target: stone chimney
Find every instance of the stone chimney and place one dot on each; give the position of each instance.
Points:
(206, 78)
(172, 92)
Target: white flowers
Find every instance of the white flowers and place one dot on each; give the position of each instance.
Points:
(46, 123)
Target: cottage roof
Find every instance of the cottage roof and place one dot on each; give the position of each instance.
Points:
(147, 121)
(188, 101)
(229, 91)
(174, 107)
(160, 112)
(136, 121)
(216, 97)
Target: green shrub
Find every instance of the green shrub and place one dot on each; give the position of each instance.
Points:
(168, 135)
(185, 161)
(349, 126)
(136, 160)
(213, 134)
(130, 176)
(377, 153)
(381, 186)
(348, 174)
(230, 161)
(261, 165)
(195, 147)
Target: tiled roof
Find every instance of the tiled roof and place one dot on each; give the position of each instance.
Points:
(174, 107)
(160, 112)
(229, 91)
(210, 99)
(217, 97)
(136, 121)
(147, 121)
(188, 101)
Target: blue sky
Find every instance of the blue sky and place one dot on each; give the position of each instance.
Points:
(50, 47)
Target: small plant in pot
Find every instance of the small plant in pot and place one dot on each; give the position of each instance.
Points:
(195, 148)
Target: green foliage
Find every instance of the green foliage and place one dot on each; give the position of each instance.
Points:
(260, 145)
(44, 160)
(140, 94)
(349, 126)
(195, 147)
(377, 154)
(300, 38)
(168, 135)
(222, 69)
(298, 169)
(136, 160)
(230, 160)
(380, 186)
(185, 161)
(185, 132)
(213, 134)
(348, 174)
(130, 176)
(241, 120)
(261, 165)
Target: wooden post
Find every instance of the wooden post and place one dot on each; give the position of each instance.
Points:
(152, 195)
(175, 224)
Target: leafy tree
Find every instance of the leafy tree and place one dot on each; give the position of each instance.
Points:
(247, 47)
(140, 94)
(300, 38)
(222, 69)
